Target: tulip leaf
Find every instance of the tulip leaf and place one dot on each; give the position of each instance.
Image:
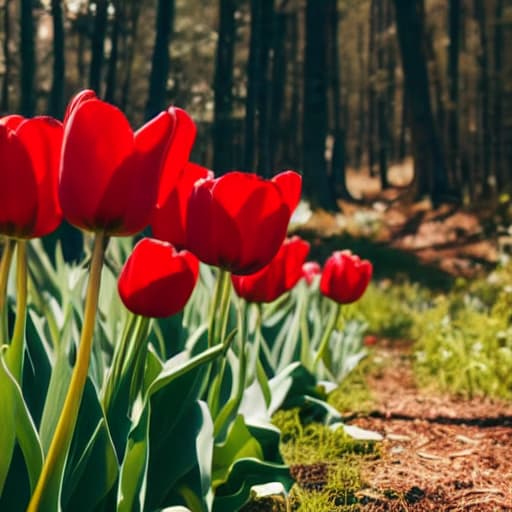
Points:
(17, 426)
(130, 497)
(94, 474)
(238, 444)
(37, 368)
(91, 468)
(244, 474)
(176, 421)
(57, 389)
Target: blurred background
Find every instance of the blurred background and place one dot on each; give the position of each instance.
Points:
(327, 87)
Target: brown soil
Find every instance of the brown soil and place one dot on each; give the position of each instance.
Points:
(440, 453)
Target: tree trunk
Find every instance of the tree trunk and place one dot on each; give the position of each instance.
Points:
(253, 84)
(264, 166)
(338, 158)
(222, 86)
(160, 62)
(56, 100)
(98, 46)
(391, 81)
(129, 55)
(315, 120)
(361, 103)
(28, 59)
(453, 85)
(371, 85)
(279, 81)
(498, 96)
(110, 93)
(4, 105)
(382, 110)
(483, 86)
(429, 162)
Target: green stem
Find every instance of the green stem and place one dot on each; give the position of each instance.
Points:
(46, 493)
(324, 343)
(204, 357)
(223, 298)
(5, 267)
(220, 285)
(242, 356)
(117, 361)
(14, 357)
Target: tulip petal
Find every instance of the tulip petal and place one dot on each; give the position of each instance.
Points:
(42, 139)
(97, 142)
(18, 193)
(157, 281)
(178, 151)
(290, 185)
(169, 218)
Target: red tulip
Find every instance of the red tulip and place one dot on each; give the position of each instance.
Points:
(110, 175)
(30, 154)
(345, 277)
(278, 277)
(239, 221)
(156, 280)
(310, 269)
(170, 215)
(370, 340)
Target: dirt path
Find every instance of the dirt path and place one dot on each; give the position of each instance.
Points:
(439, 453)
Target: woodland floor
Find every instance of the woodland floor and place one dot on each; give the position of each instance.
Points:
(439, 453)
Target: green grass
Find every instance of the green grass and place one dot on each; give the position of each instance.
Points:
(314, 447)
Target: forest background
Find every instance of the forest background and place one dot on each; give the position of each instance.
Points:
(320, 86)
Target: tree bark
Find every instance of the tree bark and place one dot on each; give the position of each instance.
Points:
(253, 84)
(4, 105)
(361, 103)
(110, 92)
(279, 80)
(160, 62)
(428, 158)
(371, 85)
(315, 120)
(453, 86)
(56, 100)
(222, 86)
(498, 95)
(338, 159)
(28, 59)
(98, 46)
(382, 107)
(130, 54)
(483, 86)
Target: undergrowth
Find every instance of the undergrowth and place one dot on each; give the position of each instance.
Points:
(324, 461)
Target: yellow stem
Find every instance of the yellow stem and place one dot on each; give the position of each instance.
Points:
(42, 499)
(15, 353)
(5, 267)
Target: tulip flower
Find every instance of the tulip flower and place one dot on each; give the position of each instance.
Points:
(156, 280)
(109, 174)
(310, 269)
(278, 277)
(170, 215)
(345, 277)
(30, 153)
(238, 221)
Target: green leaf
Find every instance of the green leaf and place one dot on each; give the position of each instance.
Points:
(57, 389)
(94, 474)
(239, 444)
(91, 468)
(245, 473)
(17, 425)
(133, 470)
